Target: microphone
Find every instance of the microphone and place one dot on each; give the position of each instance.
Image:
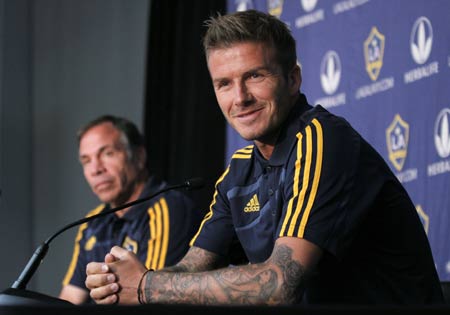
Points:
(41, 251)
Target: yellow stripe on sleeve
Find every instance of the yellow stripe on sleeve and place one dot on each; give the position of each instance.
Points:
(303, 207)
(244, 153)
(151, 241)
(76, 249)
(210, 213)
(305, 182)
(317, 173)
(296, 182)
(165, 235)
(241, 156)
(158, 224)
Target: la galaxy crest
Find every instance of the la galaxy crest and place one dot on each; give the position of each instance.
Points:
(130, 244)
(374, 53)
(397, 136)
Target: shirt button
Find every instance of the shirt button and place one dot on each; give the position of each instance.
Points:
(268, 168)
(270, 192)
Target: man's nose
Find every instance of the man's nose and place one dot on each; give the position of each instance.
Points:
(97, 167)
(242, 95)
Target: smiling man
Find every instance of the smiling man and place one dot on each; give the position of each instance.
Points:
(113, 158)
(319, 214)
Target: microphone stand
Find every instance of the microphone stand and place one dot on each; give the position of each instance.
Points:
(18, 295)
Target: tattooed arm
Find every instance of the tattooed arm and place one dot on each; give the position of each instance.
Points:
(279, 280)
(117, 278)
(196, 260)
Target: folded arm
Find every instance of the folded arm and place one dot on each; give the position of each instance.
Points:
(279, 280)
(195, 280)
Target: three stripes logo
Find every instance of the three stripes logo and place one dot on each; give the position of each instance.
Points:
(252, 205)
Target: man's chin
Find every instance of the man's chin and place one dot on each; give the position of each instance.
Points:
(107, 198)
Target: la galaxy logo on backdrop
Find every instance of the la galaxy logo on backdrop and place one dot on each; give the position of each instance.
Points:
(397, 138)
(330, 77)
(374, 53)
(421, 43)
(373, 48)
(312, 16)
(441, 143)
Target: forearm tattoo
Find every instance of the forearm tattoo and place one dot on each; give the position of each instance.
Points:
(197, 260)
(294, 274)
(277, 281)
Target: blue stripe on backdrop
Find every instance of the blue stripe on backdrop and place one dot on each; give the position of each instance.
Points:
(384, 66)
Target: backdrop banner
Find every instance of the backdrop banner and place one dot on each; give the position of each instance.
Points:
(385, 67)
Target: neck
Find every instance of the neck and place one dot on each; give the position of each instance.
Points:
(266, 146)
(265, 149)
(138, 188)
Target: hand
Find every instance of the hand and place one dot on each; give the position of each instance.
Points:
(102, 282)
(126, 270)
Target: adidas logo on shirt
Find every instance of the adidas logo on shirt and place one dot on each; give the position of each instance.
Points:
(252, 205)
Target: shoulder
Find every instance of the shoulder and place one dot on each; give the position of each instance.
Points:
(96, 210)
(240, 162)
(324, 126)
(244, 153)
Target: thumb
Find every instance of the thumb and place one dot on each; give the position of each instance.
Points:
(118, 252)
(110, 258)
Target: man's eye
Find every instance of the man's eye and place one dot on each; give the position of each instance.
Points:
(84, 162)
(221, 84)
(255, 76)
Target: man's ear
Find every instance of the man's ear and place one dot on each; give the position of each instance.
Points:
(141, 158)
(295, 79)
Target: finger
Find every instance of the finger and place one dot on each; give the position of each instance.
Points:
(112, 299)
(99, 280)
(118, 252)
(105, 294)
(96, 268)
(109, 258)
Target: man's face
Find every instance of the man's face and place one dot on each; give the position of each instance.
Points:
(251, 90)
(106, 166)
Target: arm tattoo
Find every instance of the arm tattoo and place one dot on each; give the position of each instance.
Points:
(294, 274)
(197, 260)
(276, 281)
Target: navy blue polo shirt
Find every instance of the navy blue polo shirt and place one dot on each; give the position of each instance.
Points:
(326, 184)
(158, 231)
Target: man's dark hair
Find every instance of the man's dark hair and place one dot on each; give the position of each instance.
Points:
(131, 138)
(251, 26)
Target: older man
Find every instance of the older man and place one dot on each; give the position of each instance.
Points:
(113, 158)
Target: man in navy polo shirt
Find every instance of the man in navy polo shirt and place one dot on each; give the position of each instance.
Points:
(317, 211)
(113, 158)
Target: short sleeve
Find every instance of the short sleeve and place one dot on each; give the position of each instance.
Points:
(216, 232)
(76, 273)
(319, 182)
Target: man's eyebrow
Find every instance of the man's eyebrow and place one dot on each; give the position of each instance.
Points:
(244, 74)
(101, 149)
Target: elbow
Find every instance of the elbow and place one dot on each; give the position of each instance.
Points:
(287, 294)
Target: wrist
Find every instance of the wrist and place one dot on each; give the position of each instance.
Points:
(140, 290)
